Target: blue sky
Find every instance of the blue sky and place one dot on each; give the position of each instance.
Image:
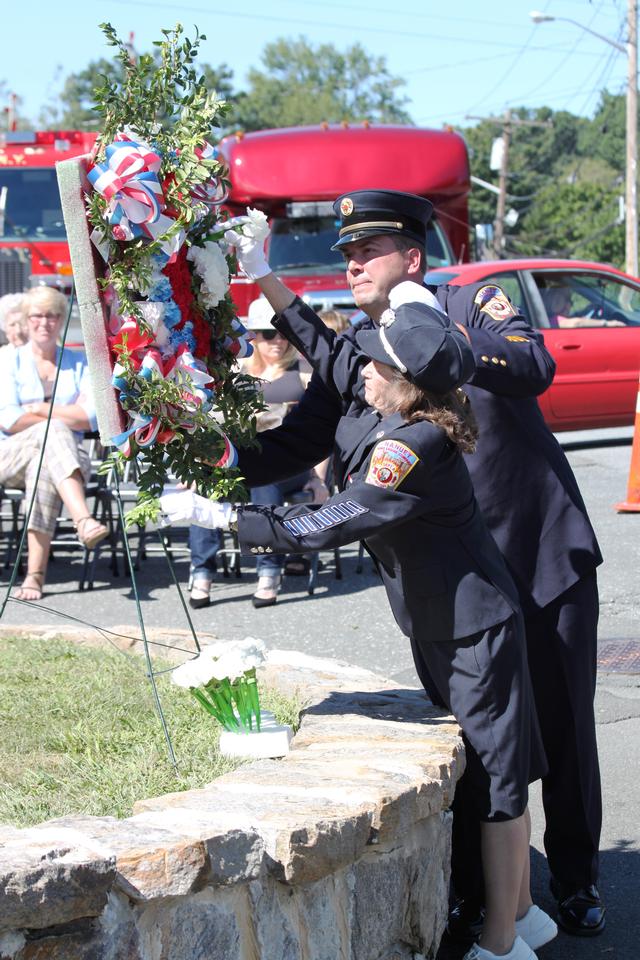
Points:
(461, 59)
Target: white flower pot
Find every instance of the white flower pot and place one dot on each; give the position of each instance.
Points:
(272, 741)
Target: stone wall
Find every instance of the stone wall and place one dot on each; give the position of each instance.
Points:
(340, 851)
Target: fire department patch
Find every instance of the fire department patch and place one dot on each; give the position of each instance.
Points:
(346, 207)
(390, 464)
(515, 339)
(492, 300)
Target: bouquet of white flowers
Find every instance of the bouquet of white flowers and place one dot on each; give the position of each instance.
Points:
(222, 678)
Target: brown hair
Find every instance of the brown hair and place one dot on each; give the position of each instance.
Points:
(451, 411)
(406, 243)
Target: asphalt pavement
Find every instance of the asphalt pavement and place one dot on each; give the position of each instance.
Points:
(349, 619)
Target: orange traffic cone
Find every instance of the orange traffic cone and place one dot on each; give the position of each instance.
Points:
(632, 503)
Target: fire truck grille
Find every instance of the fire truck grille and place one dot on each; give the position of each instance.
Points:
(15, 270)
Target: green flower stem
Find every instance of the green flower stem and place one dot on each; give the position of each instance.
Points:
(252, 691)
(234, 705)
(220, 693)
(209, 707)
(243, 703)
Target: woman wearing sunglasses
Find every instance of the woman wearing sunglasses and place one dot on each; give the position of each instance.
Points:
(283, 376)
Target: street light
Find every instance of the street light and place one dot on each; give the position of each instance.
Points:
(631, 50)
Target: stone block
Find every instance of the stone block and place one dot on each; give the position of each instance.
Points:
(204, 926)
(151, 862)
(52, 876)
(400, 893)
(304, 838)
(235, 854)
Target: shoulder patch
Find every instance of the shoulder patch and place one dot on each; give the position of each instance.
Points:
(390, 463)
(516, 339)
(492, 300)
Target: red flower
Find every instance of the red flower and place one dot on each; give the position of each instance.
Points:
(202, 335)
(179, 275)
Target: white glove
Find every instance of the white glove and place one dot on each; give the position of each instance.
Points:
(188, 507)
(410, 292)
(249, 245)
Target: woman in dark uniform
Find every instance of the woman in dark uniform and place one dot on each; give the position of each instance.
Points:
(405, 491)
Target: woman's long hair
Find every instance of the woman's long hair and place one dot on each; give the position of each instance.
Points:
(451, 411)
(255, 365)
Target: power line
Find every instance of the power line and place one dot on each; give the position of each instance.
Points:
(297, 22)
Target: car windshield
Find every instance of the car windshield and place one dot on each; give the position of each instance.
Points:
(582, 297)
(30, 204)
(303, 244)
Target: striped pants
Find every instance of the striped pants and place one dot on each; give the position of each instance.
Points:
(19, 458)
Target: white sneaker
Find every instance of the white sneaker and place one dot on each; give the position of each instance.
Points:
(536, 927)
(519, 951)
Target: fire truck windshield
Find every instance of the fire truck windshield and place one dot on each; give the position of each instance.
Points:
(300, 244)
(32, 210)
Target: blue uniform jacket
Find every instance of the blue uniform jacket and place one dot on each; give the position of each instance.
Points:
(521, 477)
(444, 576)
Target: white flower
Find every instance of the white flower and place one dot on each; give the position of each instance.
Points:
(152, 313)
(220, 661)
(211, 266)
(257, 227)
(193, 673)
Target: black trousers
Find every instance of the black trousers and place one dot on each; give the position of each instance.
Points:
(483, 681)
(561, 649)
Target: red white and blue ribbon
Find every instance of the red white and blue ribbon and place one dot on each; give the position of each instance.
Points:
(194, 380)
(212, 192)
(129, 181)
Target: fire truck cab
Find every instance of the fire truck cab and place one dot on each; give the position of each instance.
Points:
(33, 245)
(294, 175)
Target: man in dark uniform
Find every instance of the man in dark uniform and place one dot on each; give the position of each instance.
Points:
(533, 507)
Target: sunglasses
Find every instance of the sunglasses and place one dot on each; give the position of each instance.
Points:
(269, 334)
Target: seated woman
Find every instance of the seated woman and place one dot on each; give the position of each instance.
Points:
(406, 492)
(12, 321)
(26, 382)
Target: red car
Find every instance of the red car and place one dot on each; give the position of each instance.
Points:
(589, 314)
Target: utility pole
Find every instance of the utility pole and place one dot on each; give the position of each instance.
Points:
(508, 123)
(630, 48)
(501, 209)
(631, 200)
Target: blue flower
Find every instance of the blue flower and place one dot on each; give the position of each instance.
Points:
(185, 335)
(172, 315)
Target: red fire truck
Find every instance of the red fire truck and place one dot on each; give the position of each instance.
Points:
(294, 174)
(33, 246)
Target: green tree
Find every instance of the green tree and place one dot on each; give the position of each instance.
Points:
(73, 107)
(302, 84)
(536, 153)
(573, 220)
(605, 135)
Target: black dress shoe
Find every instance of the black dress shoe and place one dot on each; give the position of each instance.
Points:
(580, 913)
(464, 923)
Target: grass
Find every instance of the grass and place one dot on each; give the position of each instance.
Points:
(80, 733)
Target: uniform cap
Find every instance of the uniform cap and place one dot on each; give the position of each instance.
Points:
(366, 213)
(423, 344)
